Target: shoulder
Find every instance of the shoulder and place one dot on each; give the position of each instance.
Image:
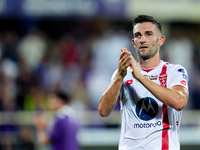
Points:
(176, 68)
(65, 122)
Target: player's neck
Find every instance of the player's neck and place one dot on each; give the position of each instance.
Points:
(149, 63)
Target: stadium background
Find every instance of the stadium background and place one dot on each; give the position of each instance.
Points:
(75, 45)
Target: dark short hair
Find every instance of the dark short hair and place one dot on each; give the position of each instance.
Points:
(62, 96)
(146, 18)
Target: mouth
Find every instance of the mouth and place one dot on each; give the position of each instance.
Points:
(143, 47)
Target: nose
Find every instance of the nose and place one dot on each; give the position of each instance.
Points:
(142, 39)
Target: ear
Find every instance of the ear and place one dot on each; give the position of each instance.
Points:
(161, 40)
(133, 42)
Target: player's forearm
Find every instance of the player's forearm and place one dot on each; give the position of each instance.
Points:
(170, 97)
(109, 99)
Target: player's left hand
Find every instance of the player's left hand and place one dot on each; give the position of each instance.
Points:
(136, 72)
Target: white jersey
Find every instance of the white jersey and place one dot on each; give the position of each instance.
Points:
(147, 123)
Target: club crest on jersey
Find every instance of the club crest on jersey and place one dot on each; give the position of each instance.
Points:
(163, 80)
(146, 108)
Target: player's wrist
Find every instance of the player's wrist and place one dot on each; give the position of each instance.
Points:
(141, 78)
(119, 76)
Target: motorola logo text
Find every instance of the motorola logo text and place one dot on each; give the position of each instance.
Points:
(147, 125)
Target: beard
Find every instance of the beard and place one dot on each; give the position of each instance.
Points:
(153, 49)
(151, 53)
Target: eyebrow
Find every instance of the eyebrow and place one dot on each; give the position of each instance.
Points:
(148, 31)
(145, 32)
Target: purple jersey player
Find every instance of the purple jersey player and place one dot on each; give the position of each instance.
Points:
(62, 134)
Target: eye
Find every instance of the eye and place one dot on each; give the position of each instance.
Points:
(137, 35)
(149, 33)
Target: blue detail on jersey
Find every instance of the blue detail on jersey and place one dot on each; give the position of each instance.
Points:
(181, 70)
(147, 108)
(185, 77)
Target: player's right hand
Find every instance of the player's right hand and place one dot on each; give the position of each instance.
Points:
(124, 62)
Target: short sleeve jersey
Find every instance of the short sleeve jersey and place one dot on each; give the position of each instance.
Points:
(147, 123)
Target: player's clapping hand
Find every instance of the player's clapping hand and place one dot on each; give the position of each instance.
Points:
(131, 62)
(124, 62)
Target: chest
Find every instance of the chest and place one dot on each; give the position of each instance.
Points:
(133, 91)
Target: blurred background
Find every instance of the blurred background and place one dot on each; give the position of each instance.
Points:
(74, 45)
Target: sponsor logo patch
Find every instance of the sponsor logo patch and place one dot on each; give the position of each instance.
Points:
(129, 82)
(152, 77)
(146, 108)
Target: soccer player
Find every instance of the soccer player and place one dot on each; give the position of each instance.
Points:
(62, 133)
(152, 93)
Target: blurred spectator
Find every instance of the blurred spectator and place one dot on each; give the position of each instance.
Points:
(69, 51)
(64, 130)
(9, 45)
(7, 105)
(179, 50)
(196, 39)
(35, 99)
(195, 95)
(24, 82)
(7, 89)
(104, 48)
(32, 48)
(8, 142)
(26, 139)
(0, 46)
(86, 54)
(7, 102)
